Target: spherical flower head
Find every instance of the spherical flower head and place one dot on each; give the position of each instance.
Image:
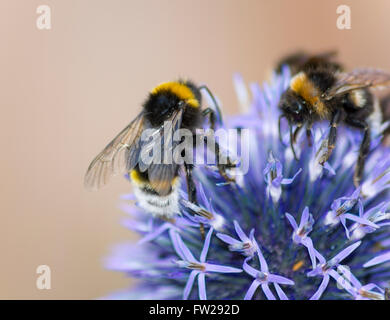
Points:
(290, 229)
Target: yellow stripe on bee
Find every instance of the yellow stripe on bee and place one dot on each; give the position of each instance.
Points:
(182, 91)
(302, 86)
(136, 177)
(139, 180)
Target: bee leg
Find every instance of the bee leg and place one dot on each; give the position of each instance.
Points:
(218, 109)
(222, 167)
(297, 130)
(292, 142)
(191, 187)
(191, 190)
(308, 135)
(331, 137)
(364, 148)
(210, 113)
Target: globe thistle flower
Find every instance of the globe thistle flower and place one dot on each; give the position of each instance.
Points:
(290, 229)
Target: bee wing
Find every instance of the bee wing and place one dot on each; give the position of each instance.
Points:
(161, 174)
(358, 79)
(116, 156)
(161, 177)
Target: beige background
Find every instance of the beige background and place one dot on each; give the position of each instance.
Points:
(65, 92)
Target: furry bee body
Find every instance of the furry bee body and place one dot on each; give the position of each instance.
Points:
(166, 205)
(321, 90)
(308, 86)
(169, 106)
(164, 99)
(153, 164)
(162, 102)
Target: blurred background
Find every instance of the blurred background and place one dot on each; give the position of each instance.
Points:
(65, 92)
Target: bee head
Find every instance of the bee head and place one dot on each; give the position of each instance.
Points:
(293, 107)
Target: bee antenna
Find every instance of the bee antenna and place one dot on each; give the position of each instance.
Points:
(292, 140)
(218, 109)
(297, 129)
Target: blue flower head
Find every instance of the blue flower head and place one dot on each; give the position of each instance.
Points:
(290, 229)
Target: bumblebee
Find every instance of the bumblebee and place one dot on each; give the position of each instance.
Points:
(302, 60)
(175, 104)
(320, 90)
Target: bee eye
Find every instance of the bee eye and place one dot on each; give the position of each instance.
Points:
(297, 108)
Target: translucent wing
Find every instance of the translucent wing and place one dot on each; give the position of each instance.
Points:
(161, 167)
(114, 157)
(161, 177)
(358, 79)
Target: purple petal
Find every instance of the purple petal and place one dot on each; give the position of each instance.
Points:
(343, 222)
(361, 209)
(280, 292)
(308, 243)
(173, 236)
(350, 277)
(206, 246)
(184, 249)
(377, 208)
(377, 260)
(267, 291)
(277, 182)
(356, 193)
(291, 219)
(202, 286)
(203, 197)
(317, 271)
(291, 180)
(227, 239)
(189, 284)
(383, 224)
(372, 286)
(304, 217)
(360, 220)
(263, 263)
(221, 269)
(320, 257)
(182, 222)
(328, 167)
(279, 168)
(154, 234)
(342, 281)
(321, 288)
(267, 169)
(346, 252)
(137, 226)
(129, 196)
(279, 279)
(251, 291)
(240, 232)
(248, 269)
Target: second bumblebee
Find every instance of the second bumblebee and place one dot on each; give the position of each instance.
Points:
(320, 90)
